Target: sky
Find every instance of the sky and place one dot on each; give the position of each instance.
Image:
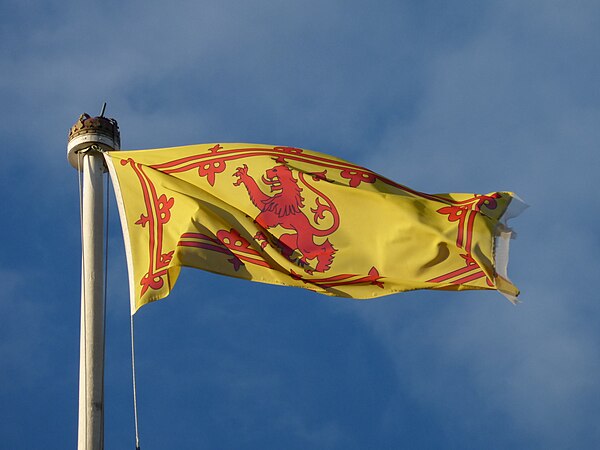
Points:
(463, 96)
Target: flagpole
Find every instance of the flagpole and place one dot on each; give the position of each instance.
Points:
(88, 138)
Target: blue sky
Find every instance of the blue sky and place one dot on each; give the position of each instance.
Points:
(458, 96)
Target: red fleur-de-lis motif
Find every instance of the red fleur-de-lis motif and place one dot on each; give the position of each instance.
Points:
(232, 239)
(357, 176)
(291, 150)
(319, 176)
(163, 208)
(152, 281)
(469, 261)
(210, 169)
(143, 220)
(166, 258)
(346, 279)
(454, 212)
(281, 159)
(457, 212)
(261, 238)
(489, 201)
(240, 248)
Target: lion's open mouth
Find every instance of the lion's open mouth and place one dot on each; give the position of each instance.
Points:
(273, 182)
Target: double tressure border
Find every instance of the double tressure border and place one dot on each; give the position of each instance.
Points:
(214, 162)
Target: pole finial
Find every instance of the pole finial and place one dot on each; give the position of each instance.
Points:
(87, 131)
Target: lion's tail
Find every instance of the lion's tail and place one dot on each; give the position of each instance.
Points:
(321, 209)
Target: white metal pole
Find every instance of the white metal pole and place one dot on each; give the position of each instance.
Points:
(87, 139)
(91, 370)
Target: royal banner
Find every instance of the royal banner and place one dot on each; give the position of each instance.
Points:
(295, 217)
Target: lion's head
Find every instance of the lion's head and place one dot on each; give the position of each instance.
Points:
(287, 199)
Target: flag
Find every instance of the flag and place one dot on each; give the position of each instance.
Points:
(294, 217)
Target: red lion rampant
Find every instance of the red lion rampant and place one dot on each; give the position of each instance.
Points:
(284, 208)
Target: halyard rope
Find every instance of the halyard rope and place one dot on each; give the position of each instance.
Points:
(106, 234)
(83, 315)
(135, 411)
(133, 374)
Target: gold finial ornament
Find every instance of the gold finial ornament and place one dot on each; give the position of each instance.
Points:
(95, 133)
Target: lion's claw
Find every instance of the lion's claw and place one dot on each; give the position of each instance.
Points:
(241, 172)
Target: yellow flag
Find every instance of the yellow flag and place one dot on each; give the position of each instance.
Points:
(295, 217)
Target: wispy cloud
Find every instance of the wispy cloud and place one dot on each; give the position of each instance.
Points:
(469, 96)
